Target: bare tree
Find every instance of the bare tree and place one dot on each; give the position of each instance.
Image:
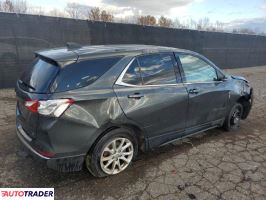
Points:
(191, 24)
(1, 6)
(94, 14)
(36, 10)
(165, 22)
(219, 26)
(21, 6)
(8, 6)
(177, 24)
(203, 24)
(147, 20)
(106, 17)
(72, 11)
(17, 6)
(76, 11)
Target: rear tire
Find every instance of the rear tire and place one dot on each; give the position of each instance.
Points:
(232, 121)
(113, 153)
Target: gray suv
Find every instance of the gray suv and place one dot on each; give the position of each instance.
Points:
(97, 106)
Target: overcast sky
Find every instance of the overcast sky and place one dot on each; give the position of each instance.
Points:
(221, 10)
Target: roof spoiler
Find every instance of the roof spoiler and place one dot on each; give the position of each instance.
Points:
(73, 46)
(47, 59)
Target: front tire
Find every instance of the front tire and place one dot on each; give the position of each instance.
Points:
(232, 121)
(113, 153)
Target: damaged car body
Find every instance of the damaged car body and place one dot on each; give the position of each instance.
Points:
(100, 105)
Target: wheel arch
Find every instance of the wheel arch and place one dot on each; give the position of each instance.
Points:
(138, 132)
(245, 102)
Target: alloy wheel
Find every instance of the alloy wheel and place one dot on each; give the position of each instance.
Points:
(236, 116)
(116, 155)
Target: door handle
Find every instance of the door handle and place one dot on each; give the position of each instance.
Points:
(135, 96)
(193, 91)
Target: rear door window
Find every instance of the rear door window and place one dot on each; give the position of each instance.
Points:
(83, 73)
(157, 69)
(39, 76)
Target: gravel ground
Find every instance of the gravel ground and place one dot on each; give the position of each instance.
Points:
(213, 165)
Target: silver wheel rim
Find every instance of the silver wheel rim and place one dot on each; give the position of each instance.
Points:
(235, 119)
(116, 155)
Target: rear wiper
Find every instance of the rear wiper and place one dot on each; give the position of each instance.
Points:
(25, 84)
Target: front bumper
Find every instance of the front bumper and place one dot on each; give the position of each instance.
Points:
(62, 164)
(248, 104)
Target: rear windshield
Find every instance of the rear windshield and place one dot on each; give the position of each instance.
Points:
(82, 73)
(39, 76)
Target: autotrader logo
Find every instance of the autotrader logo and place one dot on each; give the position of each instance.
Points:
(27, 193)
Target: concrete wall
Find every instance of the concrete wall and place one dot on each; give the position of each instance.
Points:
(21, 35)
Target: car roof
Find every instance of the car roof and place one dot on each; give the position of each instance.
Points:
(64, 54)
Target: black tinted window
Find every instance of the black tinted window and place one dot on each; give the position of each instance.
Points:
(132, 75)
(83, 73)
(157, 69)
(196, 69)
(39, 76)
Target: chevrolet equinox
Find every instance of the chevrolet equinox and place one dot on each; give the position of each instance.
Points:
(97, 106)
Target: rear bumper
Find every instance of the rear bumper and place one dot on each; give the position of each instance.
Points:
(62, 164)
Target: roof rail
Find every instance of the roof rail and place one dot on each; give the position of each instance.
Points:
(73, 45)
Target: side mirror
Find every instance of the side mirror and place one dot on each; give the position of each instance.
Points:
(220, 76)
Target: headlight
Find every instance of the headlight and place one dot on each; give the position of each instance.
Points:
(246, 88)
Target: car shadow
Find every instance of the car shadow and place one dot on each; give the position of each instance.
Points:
(35, 174)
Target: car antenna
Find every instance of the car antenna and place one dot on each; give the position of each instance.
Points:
(73, 45)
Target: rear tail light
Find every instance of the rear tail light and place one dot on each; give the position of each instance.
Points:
(50, 107)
